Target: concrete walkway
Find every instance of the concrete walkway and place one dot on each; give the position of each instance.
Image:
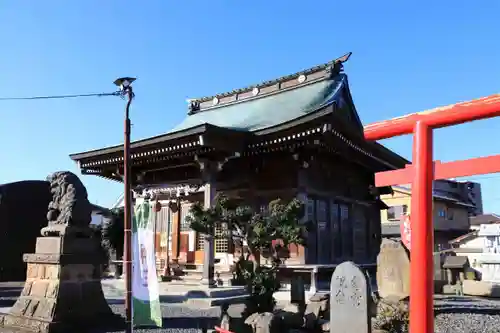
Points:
(173, 293)
(178, 291)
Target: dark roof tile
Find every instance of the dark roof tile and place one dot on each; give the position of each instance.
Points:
(484, 219)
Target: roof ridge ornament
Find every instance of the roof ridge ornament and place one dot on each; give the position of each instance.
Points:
(337, 66)
(193, 106)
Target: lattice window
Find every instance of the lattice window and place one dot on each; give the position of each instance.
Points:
(321, 215)
(346, 230)
(221, 240)
(336, 230)
(360, 229)
(264, 209)
(221, 244)
(160, 264)
(200, 245)
(310, 210)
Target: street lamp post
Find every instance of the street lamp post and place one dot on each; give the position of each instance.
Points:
(126, 90)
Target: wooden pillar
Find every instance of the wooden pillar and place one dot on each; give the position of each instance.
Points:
(209, 171)
(176, 209)
(230, 246)
(208, 241)
(301, 251)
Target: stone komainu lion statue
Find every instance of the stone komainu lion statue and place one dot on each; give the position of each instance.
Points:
(70, 206)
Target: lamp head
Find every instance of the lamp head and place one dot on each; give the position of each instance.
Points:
(124, 82)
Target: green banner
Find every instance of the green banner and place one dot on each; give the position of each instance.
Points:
(146, 309)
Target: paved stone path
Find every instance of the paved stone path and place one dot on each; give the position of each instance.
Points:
(177, 317)
(453, 314)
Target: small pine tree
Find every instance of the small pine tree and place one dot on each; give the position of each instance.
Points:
(265, 234)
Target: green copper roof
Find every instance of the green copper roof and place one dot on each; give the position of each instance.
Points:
(268, 111)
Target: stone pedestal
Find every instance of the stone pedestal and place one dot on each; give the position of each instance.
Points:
(63, 290)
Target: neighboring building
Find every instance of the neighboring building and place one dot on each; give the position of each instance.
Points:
(465, 192)
(296, 136)
(23, 213)
(98, 214)
(482, 246)
(477, 221)
(452, 208)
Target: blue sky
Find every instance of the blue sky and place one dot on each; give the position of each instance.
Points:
(408, 56)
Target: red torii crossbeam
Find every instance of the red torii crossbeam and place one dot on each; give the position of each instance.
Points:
(463, 168)
(455, 114)
(421, 174)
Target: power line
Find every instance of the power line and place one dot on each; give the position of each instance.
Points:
(481, 177)
(116, 93)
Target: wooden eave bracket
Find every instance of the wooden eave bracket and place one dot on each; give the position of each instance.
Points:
(207, 164)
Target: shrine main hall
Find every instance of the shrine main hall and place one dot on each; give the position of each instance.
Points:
(297, 136)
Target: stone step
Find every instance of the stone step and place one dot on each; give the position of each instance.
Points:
(211, 301)
(199, 269)
(193, 276)
(190, 295)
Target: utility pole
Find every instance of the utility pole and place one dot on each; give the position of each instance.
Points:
(126, 91)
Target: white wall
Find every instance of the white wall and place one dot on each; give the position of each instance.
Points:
(487, 262)
(97, 219)
(476, 243)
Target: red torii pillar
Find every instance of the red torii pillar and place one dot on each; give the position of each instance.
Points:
(421, 174)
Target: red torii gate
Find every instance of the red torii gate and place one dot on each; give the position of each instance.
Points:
(421, 174)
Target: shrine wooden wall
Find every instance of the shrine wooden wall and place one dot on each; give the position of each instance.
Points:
(346, 222)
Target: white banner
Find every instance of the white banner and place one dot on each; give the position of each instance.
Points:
(146, 309)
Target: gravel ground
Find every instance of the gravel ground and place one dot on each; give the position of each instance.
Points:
(466, 314)
(184, 319)
(453, 314)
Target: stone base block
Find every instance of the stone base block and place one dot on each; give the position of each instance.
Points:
(62, 292)
(12, 323)
(481, 288)
(449, 289)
